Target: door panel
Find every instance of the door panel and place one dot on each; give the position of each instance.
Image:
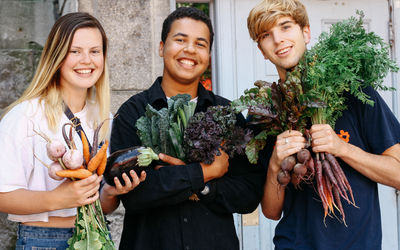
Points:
(239, 63)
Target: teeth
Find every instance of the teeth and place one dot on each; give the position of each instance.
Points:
(84, 71)
(187, 62)
(283, 51)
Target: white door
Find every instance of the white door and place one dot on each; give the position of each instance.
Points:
(239, 63)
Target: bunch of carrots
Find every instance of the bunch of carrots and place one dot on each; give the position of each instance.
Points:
(91, 162)
(90, 227)
(331, 182)
(72, 163)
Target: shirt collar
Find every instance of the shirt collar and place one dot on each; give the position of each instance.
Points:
(205, 98)
(158, 99)
(156, 94)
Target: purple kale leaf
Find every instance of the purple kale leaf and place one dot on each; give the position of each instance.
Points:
(210, 131)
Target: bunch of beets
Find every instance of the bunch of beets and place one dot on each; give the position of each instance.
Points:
(275, 108)
(329, 177)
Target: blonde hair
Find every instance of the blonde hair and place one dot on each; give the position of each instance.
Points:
(263, 16)
(45, 83)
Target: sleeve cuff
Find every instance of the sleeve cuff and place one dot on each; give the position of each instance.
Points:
(211, 192)
(196, 176)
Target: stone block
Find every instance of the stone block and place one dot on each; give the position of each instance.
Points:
(8, 233)
(116, 220)
(24, 21)
(16, 71)
(128, 27)
(119, 97)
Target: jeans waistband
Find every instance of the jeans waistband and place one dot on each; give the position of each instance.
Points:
(44, 232)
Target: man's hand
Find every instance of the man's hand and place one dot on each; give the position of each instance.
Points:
(168, 159)
(109, 194)
(129, 185)
(216, 169)
(324, 139)
(287, 143)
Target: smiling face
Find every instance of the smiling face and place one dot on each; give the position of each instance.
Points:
(186, 51)
(84, 62)
(284, 44)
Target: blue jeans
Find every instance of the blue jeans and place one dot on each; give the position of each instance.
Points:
(42, 238)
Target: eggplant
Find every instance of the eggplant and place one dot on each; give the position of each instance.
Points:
(122, 161)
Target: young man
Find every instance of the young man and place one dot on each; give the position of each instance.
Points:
(159, 214)
(372, 155)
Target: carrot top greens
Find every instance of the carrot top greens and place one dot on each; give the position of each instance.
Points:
(347, 59)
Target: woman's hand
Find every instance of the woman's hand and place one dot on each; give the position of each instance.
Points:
(70, 194)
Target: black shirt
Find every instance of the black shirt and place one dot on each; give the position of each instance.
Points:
(159, 214)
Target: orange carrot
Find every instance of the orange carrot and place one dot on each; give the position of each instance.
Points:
(325, 190)
(95, 162)
(328, 193)
(102, 167)
(80, 173)
(85, 146)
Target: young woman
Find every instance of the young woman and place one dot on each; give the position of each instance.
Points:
(71, 75)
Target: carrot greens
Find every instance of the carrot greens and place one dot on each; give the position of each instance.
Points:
(347, 59)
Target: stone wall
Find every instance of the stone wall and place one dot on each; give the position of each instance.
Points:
(133, 28)
(134, 32)
(24, 26)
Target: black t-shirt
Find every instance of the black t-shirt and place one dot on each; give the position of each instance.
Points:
(159, 214)
(373, 129)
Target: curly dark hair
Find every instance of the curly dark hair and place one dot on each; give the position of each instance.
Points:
(189, 12)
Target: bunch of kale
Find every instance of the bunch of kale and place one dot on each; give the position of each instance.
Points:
(162, 130)
(210, 131)
(175, 131)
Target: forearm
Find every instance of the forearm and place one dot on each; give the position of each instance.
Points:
(384, 169)
(166, 186)
(22, 201)
(238, 191)
(236, 194)
(274, 195)
(108, 203)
